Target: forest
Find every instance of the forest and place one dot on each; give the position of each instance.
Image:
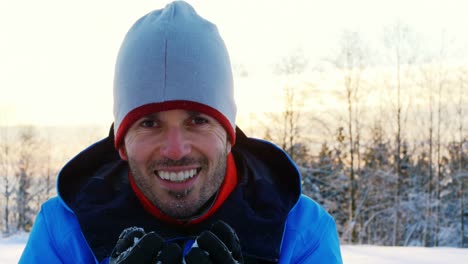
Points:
(378, 131)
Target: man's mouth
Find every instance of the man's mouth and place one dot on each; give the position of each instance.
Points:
(177, 176)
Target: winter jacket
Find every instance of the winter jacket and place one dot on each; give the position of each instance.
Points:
(274, 221)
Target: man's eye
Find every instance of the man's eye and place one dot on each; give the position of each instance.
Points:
(199, 120)
(148, 123)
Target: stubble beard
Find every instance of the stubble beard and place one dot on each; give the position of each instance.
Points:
(180, 207)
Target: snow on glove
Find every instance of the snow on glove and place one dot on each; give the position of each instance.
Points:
(137, 247)
(219, 245)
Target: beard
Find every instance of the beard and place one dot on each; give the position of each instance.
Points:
(184, 204)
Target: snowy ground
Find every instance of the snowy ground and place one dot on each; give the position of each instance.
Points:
(12, 247)
(407, 255)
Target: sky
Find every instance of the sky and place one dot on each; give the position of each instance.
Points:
(12, 247)
(57, 56)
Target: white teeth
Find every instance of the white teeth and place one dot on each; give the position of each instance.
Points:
(177, 176)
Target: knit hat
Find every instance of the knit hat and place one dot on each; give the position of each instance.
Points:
(173, 59)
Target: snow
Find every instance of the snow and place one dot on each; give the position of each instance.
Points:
(396, 255)
(11, 248)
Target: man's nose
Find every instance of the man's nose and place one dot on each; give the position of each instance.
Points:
(176, 145)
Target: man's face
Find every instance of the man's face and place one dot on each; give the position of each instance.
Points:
(177, 158)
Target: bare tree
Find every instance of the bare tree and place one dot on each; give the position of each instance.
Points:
(435, 74)
(398, 41)
(25, 168)
(428, 84)
(461, 176)
(7, 183)
(291, 67)
(48, 170)
(350, 64)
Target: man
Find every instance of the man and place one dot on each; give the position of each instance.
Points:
(175, 181)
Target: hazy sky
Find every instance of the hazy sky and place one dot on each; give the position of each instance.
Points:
(57, 56)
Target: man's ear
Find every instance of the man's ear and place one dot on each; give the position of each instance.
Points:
(123, 152)
(228, 146)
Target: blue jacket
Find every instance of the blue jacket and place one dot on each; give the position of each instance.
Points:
(274, 221)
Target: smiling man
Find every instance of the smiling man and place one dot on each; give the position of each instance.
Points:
(177, 159)
(176, 181)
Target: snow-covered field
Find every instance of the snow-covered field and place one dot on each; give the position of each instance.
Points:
(11, 248)
(407, 255)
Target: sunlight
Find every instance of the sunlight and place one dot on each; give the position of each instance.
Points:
(57, 57)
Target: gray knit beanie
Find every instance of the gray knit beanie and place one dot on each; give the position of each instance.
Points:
(173, 59)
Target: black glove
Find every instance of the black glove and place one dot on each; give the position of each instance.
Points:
(219, 245)
(137, 247)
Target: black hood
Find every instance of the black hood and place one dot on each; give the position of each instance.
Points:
(94, 185)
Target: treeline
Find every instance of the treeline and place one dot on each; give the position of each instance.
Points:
(30, 158)
(380, 135)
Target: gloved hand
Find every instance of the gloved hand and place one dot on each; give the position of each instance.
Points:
(137, 247)
(219, 245)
